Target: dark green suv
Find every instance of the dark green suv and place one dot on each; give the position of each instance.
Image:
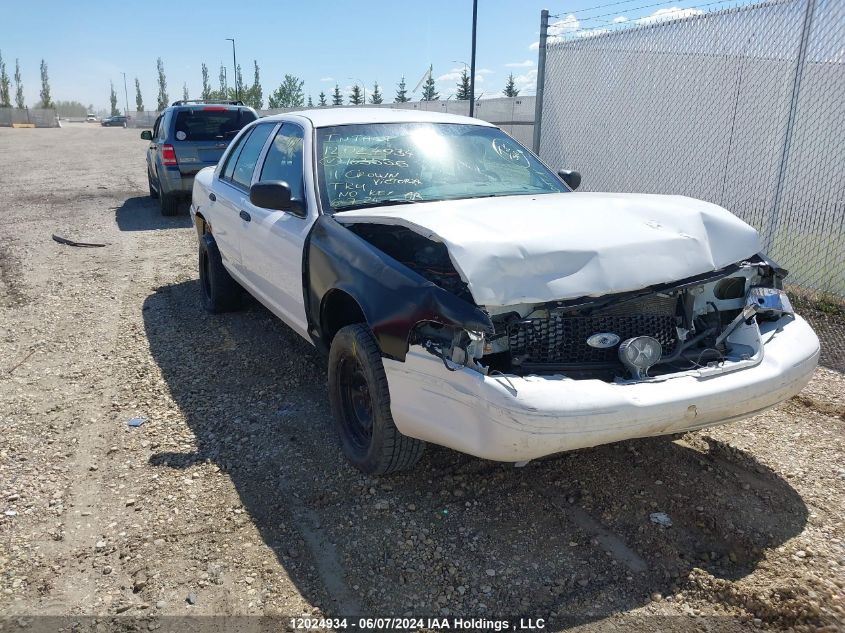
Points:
(186, 137)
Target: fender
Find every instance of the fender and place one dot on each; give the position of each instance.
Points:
(393, 298)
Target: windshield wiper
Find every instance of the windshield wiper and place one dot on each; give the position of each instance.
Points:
(377, 203)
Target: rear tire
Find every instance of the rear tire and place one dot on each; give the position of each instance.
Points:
(169, 204)
(218, 291)
(360, 401)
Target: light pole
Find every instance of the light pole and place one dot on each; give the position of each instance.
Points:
(126, 96)
(363, 85)
(472, 60)
(235, 67)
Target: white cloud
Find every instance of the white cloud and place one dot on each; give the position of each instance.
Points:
(619, 19)
(526, 81)
(326, 78)
(528, 63)
(672, 13)
(484, 71)
(455, 75)
(558, 29)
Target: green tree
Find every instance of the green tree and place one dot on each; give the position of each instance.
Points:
(510, 88)
(5, 98)
(185, 95)
(254, 95)
(46, 101)
(323, 101)
(238, 90)
(70, 109)
(402, 92)
(139, 100)
(19, 102)
(163, 97)
(356, 98)
(206, 85)
(221, 94)
(463, 86)
(375, 96)
(288, 95)
(113, 100)
(429, 93)
(337, 98)
(310, 103)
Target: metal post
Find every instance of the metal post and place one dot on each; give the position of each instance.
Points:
(125, 95)
(235, 68)
(774, 215)
(472, 60)
(541, 78)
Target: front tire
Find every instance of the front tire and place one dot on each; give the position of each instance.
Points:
(218, 291)
(360, 401)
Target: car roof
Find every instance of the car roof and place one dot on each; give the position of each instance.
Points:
(329, 116)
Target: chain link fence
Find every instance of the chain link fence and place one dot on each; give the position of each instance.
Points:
(742, 107)
(28, 116)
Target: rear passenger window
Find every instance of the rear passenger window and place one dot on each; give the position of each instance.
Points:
(247, 159)
(284, 159)
(232, 158)
(212, 123)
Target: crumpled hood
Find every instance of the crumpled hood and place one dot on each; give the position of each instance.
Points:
(533, 249)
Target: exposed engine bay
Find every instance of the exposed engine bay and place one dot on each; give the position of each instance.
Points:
(704, 322)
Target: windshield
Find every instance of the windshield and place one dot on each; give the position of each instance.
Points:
(396, 163)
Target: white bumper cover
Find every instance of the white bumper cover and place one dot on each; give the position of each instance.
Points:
(511, 418)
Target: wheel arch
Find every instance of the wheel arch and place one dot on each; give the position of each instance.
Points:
(338, 309)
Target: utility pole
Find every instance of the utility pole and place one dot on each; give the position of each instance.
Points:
(126, 96)
(235, 62)
(541, 78)
(472, 60)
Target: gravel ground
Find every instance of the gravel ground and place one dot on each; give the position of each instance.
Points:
(233, 499)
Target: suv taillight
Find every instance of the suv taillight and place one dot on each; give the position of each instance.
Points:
(168, 155)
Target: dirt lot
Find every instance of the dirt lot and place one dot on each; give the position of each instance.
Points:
(233, 499)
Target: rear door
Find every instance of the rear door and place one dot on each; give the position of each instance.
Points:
(201, 134)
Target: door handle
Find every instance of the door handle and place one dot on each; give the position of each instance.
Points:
(212, 197)
(245, 216)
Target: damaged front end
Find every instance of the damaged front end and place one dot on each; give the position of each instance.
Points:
(706, 324)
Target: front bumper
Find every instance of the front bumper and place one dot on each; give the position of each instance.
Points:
(512, 418)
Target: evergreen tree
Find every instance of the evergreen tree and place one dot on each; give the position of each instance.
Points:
(510, 88)
(163, 97)
(139, 100)
(310, 103)
(113, 100)
(185, 95)
(401, 93)
(287, 95)
(429, 93)
(46, 101)
(463, 86)
(5, 98)
(323, 99)
(206, 85)
(356, 98)
(19, 102)
(337, 98)
(376, 97)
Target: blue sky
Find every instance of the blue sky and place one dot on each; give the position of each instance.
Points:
(323, 42)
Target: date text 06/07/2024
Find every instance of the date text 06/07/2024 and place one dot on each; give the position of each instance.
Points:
(411, 624)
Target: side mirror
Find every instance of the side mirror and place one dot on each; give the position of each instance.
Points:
(571, 178)
(275, 194)
(147, 135)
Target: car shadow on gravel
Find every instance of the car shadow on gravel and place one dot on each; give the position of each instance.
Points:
(564, 537)
(142, 213)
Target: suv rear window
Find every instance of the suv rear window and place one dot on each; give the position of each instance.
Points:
(210, 124)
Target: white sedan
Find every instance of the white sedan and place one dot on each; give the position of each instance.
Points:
(465, 296)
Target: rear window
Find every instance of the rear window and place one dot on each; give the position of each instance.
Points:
(210, 124)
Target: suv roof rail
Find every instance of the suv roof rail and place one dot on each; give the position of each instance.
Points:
(224, 101)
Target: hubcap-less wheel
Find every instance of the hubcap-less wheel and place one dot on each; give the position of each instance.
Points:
(356, 402)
